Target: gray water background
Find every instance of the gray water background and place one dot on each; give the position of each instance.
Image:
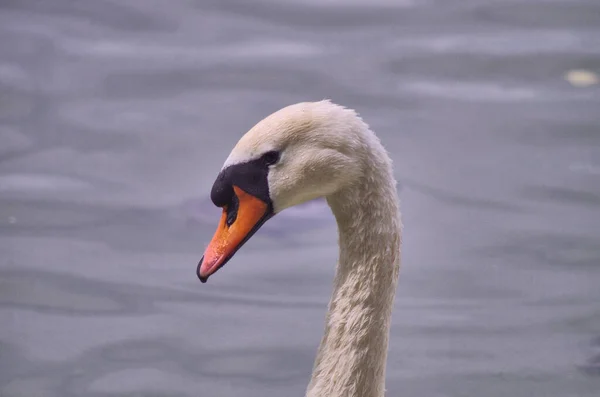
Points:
(115, 117)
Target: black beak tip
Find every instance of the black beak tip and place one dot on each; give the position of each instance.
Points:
(203, 280)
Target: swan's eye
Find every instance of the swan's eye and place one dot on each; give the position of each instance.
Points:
(270, 157)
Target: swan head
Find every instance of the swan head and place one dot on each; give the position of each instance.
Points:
(299, 153)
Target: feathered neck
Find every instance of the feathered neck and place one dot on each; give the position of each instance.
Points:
(352, 356)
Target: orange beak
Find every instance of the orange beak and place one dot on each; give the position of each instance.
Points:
(251, 214)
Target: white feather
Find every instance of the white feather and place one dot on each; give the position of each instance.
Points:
(328, 151)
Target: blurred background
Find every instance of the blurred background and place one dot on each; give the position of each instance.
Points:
(116, 116)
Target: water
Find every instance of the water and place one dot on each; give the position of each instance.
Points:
(117, 116)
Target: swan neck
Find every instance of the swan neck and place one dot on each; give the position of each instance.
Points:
(353, 352)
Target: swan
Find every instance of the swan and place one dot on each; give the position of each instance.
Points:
(299, 153)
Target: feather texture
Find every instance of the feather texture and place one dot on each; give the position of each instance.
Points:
(328, 151)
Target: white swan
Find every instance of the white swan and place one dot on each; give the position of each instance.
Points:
(299, 153)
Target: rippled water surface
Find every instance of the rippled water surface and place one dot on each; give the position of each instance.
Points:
(115, 117)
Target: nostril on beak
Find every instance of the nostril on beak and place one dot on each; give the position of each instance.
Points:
(232, 210)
